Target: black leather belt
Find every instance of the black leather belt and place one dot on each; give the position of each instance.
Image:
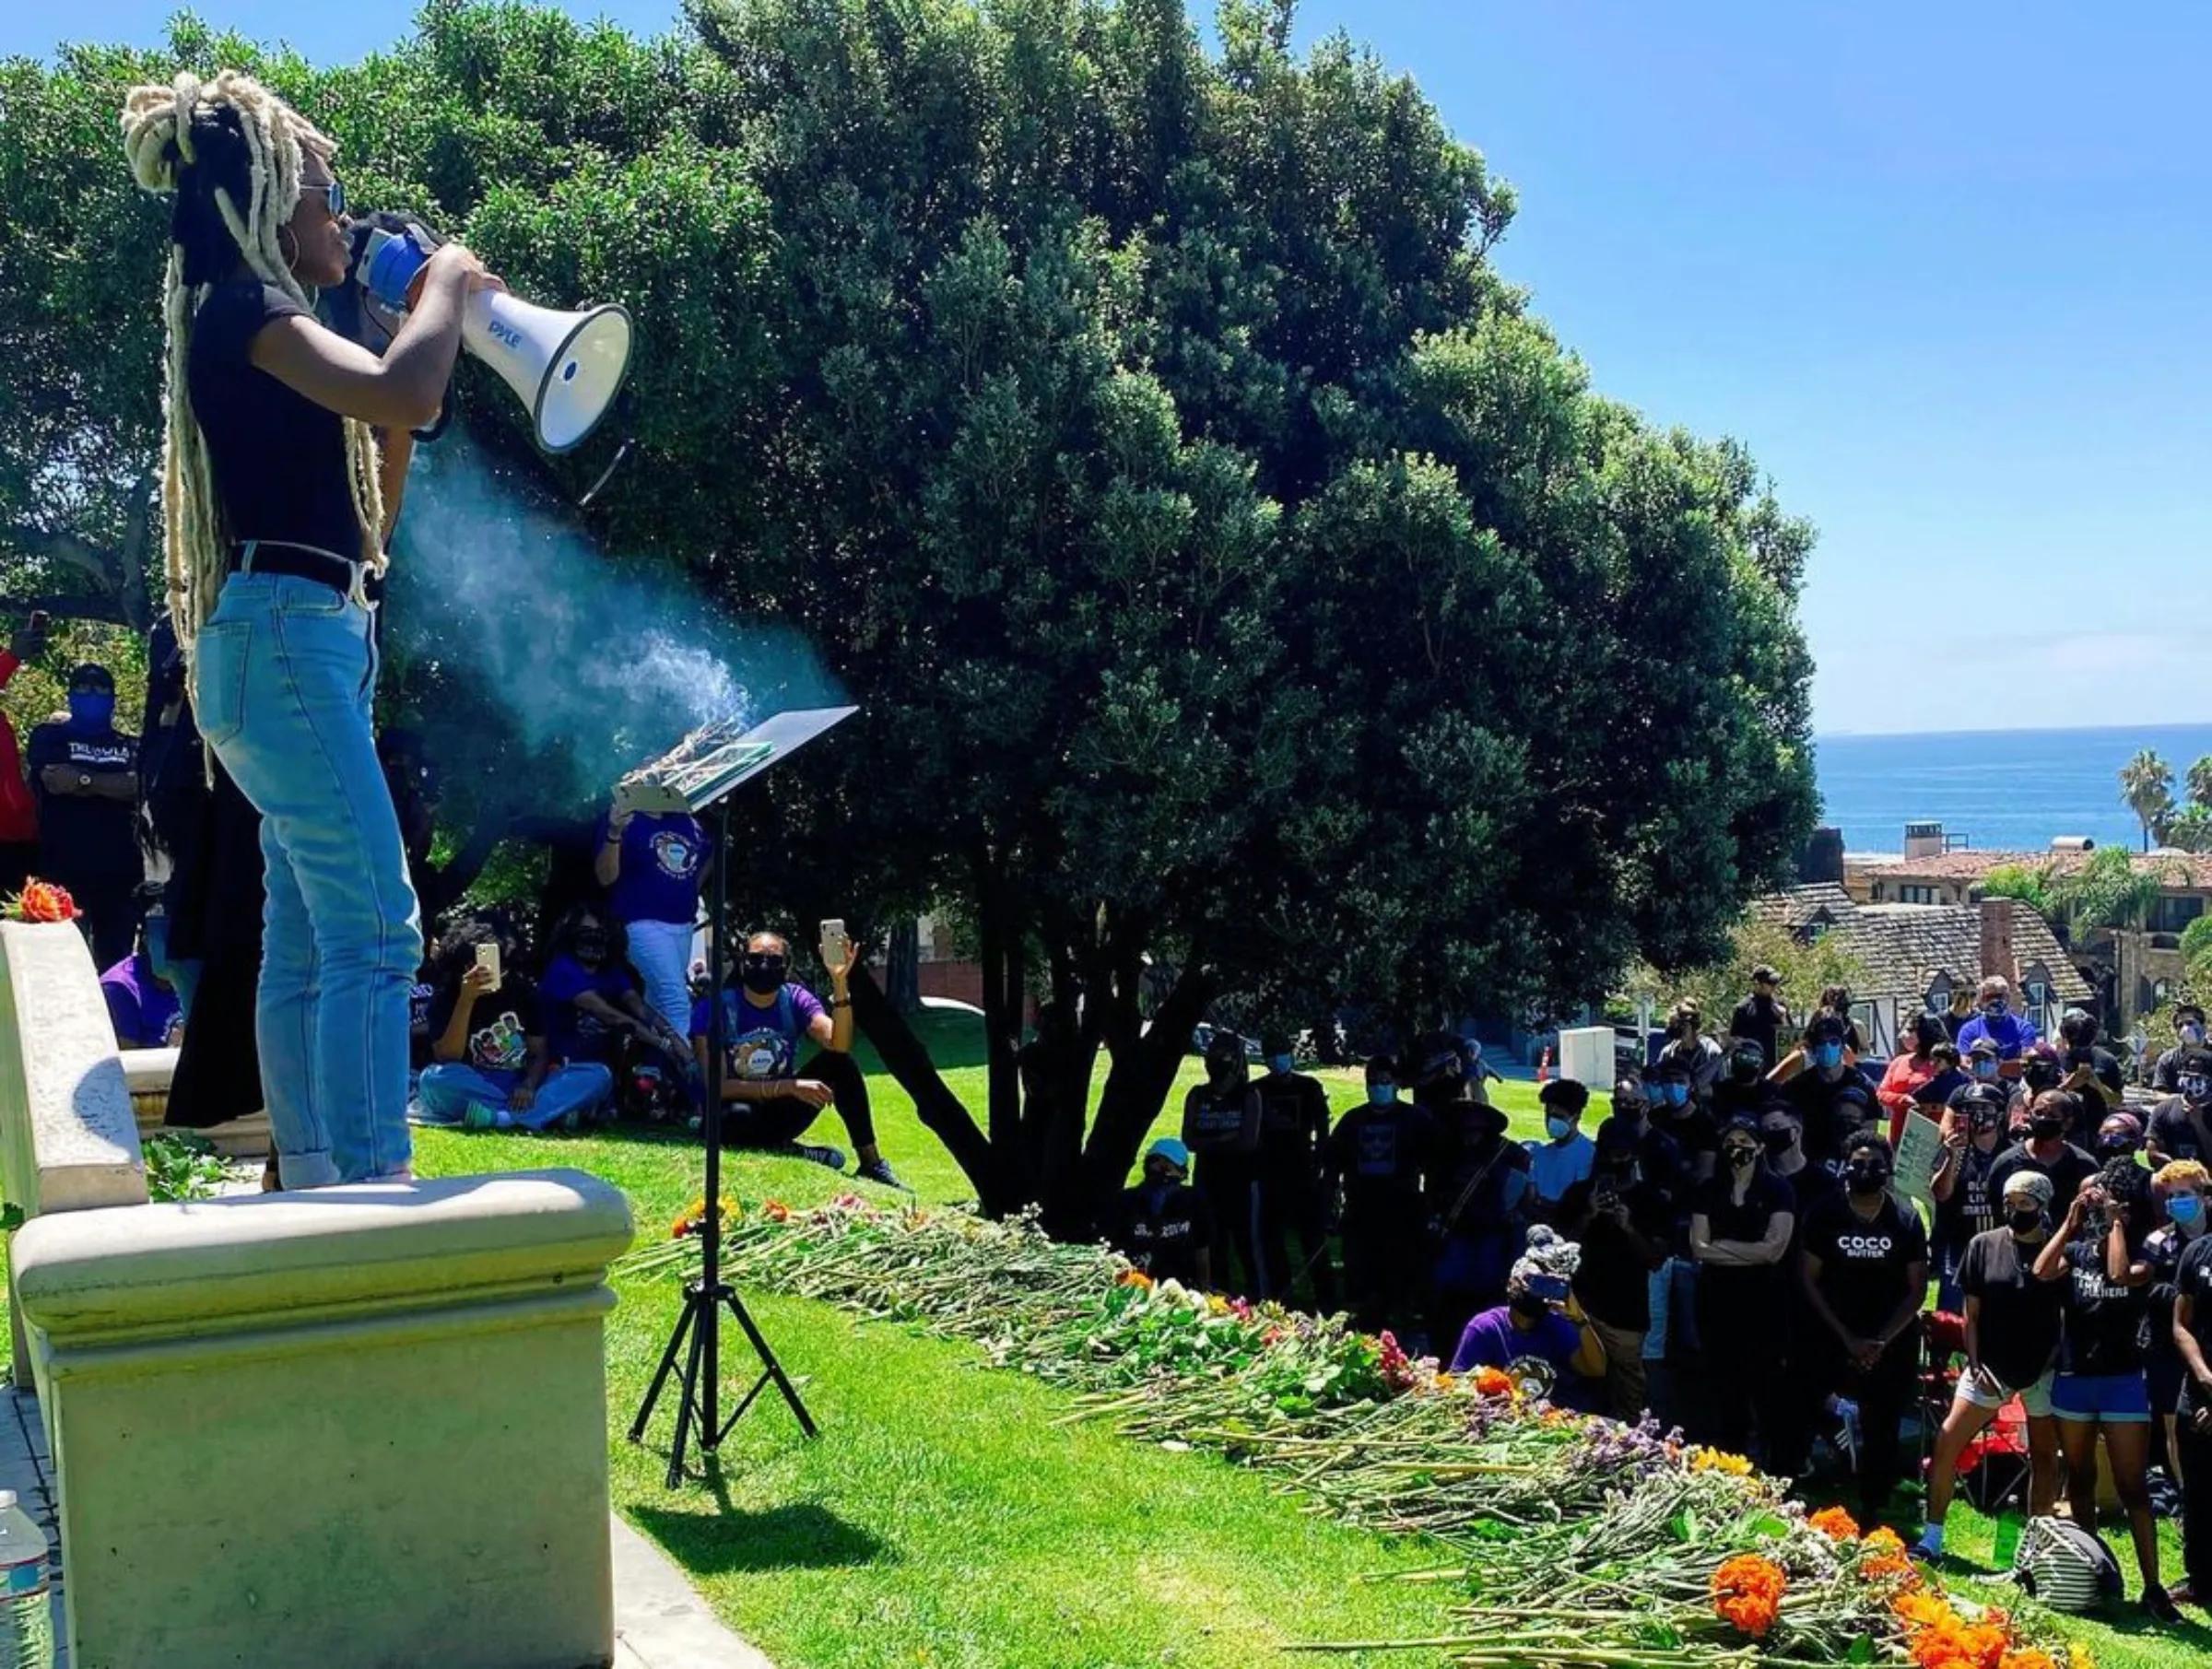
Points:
(304, 562)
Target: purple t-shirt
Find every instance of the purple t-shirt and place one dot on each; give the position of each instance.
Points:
(142, 1011)
(662, 853)
(1492, 1341)
(763, 1042)
(572, 1034)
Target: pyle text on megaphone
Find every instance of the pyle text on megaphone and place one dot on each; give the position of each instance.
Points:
(566, 368)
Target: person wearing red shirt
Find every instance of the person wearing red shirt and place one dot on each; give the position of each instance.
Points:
(18, 811)
(1908, 1074)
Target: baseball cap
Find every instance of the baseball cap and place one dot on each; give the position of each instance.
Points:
(1171, 1150)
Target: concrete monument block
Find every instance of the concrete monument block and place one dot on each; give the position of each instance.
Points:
(68, 1140)
(353, 1428)
(149, 1072)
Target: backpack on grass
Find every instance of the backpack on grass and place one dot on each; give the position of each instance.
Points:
(2067, 1568)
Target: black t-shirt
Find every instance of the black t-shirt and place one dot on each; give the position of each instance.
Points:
(1163, 1230)
(1613, 1282)
(2106, 1322)
(1972, 1207)
(1382, 1152)
(2195, 1283)
(2176, 1134)
(500, 1024)
(1294, 1121)
(2104, 1066)
(1734, 1099)
(1865, 1264)
(1831, 1118)
(279, 461)
(2163, 1249)
(1218, 1125)
(1760, 1018)
(1736, 1287)
(1692, 1130)
(2067, 1172)
(83, 840)
(1808, 1185)
(2020, 1315)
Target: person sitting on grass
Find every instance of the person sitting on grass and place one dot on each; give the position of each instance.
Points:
(1164, 1226)
(2012, 1326)
(489, 1065)
(770, 1099)
(141, 1004)
(588, 999)
(1540, 1321)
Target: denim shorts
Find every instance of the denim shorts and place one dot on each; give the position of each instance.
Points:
(2035, 1400)
(2116, 1399)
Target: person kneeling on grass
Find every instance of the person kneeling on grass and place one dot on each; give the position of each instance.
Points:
(2012, 1327)
(1164, 1226)
(1539, 1320)
(771, 1099)
(489, 1066)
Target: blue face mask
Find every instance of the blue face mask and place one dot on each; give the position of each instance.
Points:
(1560, 1129)
(91, 708)
(1381, 1094)
(1985, 1069)
(1827, 1054)
(1673, 1095)
(2184, 1208)
(1279, 1063)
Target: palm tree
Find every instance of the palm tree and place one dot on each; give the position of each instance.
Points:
(2146, 786)
(2200, 784)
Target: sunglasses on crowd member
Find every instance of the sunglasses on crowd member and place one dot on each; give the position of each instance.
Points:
(334, 195)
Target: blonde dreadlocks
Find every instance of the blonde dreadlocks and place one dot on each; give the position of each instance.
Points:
(183, 140)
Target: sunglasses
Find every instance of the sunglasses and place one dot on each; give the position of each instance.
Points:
(334, 195)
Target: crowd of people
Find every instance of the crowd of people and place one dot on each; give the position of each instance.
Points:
(1732, 1250)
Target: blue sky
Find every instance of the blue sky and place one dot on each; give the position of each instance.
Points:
(1942, 267)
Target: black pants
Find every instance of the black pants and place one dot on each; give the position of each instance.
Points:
(774, 1124)
(1231, 1186)
(1292, 1203)
(1384, 1268)
(107, 910)
(18, 862)
(2197, 1507)
(1883, 1393)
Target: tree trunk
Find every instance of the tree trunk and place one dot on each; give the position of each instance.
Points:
(942, 1113)
(999, 937)
(902, 967)
(1137, 1084)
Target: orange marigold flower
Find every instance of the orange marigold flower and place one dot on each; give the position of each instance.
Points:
(1889, 1568)
(2026, 1657)
(1444, 1382)
(1746, 1593)
(775, 1211)
(1921, 1610)
(1137, 1278)
(1884, 1540)
(1836, 1524)
(1493, 1382)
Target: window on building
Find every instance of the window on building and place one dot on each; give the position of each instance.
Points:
(1918, 895)
(2173, 913)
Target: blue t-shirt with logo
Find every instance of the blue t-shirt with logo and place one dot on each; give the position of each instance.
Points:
(571, 1033)
(662, 853)
(763, 1042)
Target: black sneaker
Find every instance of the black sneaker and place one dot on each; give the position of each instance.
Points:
(2160, 1605)
(879, 1170)
(832, 1156)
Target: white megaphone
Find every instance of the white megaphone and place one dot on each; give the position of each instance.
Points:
(566, 368)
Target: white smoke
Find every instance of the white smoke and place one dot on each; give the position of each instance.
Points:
(600, 663)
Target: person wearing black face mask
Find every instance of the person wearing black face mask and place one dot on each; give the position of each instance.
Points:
(2012, 1329)
(1221, 1120)
(2181, 1125)
(1164, 1226)
(1966, 1205)
(84, 776)
(1759, 1017)
(2046, 1150)
(770, 1099)
(1744, 1090)
(1622, 1224)
(1865, 1277)
(587, 1000)
(2092, 1071)
(1740, 1229)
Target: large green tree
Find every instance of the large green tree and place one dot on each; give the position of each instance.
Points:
(1246, 595)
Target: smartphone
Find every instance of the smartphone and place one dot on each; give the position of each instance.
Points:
(38, 622)
(836, 947)
(488, 958)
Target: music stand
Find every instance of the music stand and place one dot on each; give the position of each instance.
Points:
(701, 773)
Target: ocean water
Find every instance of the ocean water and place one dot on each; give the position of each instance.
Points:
(2007, 790)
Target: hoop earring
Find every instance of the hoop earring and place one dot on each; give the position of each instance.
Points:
(291, 256)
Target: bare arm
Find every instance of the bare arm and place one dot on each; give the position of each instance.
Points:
(606, 863)
(404, 388)
(397, 453)
(2185, 1341)
(2120, 1264)
(1908, 1307)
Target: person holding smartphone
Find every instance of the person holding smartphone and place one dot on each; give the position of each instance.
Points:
(1539, 1320)
(491, 1067)
(769, 1097)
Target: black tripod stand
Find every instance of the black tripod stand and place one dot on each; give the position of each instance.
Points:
(698, 1336)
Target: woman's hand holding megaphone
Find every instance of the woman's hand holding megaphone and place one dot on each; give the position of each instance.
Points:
(478, 274)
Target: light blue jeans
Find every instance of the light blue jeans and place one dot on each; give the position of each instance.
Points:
(285, 674)
(447, 1090)
(660, 952)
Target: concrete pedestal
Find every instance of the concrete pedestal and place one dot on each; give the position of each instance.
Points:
(353, 1428)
